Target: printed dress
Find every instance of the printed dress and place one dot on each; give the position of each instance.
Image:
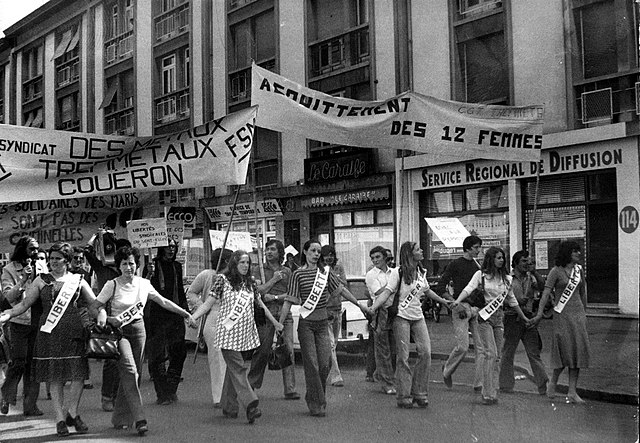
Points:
(60, 355)
(243, 336)
(570, 342)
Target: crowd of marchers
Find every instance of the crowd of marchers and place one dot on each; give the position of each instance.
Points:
(50, 301)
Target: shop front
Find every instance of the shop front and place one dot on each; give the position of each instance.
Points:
(587, 192)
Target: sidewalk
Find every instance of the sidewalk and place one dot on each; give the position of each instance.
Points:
(612, 375)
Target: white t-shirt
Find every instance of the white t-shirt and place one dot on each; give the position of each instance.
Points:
(126, 296)
(412, 309)
(376, 279)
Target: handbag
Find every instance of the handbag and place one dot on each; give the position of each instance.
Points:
(103, 342)
(476, 298)
(280, 355)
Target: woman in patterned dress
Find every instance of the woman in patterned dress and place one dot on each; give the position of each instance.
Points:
(570, 340)
(236, 333)
(59, 353)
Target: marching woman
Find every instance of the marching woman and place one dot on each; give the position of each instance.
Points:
(310, 287)
(492, 279)
(59, 352)
(236, 333)
(409, 283)
(128, 294)
(570, 342)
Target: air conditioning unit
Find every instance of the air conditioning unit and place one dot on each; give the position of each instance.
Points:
(637, 98)
(597, 106)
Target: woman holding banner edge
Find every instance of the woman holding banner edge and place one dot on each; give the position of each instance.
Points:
(310, 287)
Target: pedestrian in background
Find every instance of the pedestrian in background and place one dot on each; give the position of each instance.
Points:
(408, 283)
(166, 329)
(570, 347)
(128, 295)
(376, 280)
(237, 334)
(199, 292)
(273, 291)
(496, 287)
(334, 311)
(59, 351)
(459, 273)
(17, 276)
(77, 267)
(527, 284)
(311, 286)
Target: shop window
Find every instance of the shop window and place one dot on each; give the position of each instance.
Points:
(602, 187)
(342, 219)
(363, 218)
(384, 215)
(557, 190)
(447, 201)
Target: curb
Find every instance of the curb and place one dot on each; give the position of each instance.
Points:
(591, 394)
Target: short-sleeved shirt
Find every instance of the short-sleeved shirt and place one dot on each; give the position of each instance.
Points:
(280, 287)
(125, 297)
(300, 288)
(493, 288)
(413, 311)
(377, 279)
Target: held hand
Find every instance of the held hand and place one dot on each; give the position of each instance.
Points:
(113, 321)
(4, 317)
(269, 298)
(191, 322)
(102, 318)
(279, 327)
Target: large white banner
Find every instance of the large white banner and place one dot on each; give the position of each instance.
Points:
(41, 164)
(409, 121)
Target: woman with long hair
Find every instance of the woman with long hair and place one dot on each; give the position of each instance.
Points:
(310, 287)
(59, 351)
(236, 333)
(495, 283)
(570, 346)
(129, 294)
(408, 283)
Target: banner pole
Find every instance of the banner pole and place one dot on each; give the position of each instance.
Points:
(224, 243)
(255, 218)
(535, 208)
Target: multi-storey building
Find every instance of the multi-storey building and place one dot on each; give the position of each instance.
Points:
(140, 68)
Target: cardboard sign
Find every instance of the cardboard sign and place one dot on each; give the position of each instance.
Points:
(449, 231)
(235, 240)
(148, 233)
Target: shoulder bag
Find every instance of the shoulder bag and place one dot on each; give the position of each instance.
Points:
(103, 340)
(476, 298)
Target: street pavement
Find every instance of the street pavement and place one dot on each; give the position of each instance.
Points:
(360, 412)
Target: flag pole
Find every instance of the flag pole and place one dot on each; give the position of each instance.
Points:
(224, 243)
(535, 208)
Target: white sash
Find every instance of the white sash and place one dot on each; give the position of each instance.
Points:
(492, 307)
(413, 293)
(61, 303)
(574, 281)
(127, 316)
(243, 299)
(316, 292)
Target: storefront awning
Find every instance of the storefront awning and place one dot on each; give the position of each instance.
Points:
(344, 198)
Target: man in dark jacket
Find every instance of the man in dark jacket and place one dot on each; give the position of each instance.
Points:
(165, 330)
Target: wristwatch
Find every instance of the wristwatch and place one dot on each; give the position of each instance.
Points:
(276, 298)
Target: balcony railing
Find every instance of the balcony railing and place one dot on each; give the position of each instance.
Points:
(68, 73)
(240, 81)
(32, 89)
(120, 123)
(340, 52)
(69, 125)
(173, 107)
(172, 23)
(119, 47)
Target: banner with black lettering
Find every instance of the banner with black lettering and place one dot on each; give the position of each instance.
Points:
(409, 121)
(49, 164)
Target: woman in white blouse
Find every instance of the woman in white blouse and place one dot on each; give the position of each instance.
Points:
(495, 283)
(128, 294)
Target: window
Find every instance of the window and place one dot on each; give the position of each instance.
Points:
(596, 35)
(68, 113)
(481, 73)
(266, 149)
(168, 74)
(2, 94)
(253, 39)
(128, 15)
(187, 67)
(33, 118)
(118, 104)
(114, 20)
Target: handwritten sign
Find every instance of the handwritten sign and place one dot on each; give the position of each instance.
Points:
(175, 232)
(235, 240)
(449, 231)
(148, 233)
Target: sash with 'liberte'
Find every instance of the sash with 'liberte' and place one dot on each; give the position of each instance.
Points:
(574, 281)
(61, 303)
(128, 315)
(492, 307)
(316, 292)
(243, 299)
(413, 293)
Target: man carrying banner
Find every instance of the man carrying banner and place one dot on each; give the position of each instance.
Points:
(273, 291)
(166, 329)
